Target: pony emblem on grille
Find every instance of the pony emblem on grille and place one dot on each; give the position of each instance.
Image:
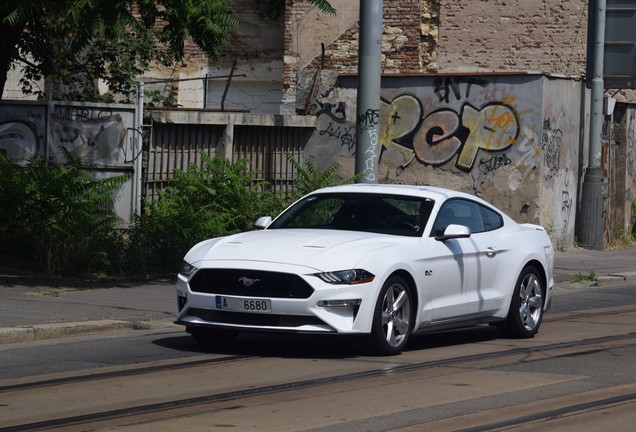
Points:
(247, 282)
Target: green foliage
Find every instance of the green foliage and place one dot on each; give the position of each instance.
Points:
(56, 218)
(161, 98)
(215, 200)
(310, 177)
(591, 276)
(73, 43)
(276, 8)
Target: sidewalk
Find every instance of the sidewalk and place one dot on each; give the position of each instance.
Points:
(46, 308)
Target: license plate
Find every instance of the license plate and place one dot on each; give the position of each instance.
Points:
(243, 304)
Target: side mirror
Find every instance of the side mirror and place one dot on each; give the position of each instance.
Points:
(263, 222)
(454, 231)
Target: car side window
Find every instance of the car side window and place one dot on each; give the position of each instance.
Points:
(492, 219)
(467, 213)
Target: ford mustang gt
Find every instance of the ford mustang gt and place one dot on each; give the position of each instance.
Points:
(383, 261)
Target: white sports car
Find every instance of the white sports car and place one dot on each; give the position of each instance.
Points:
(379, 260)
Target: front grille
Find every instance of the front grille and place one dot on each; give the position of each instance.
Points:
(251, 283)
(252, 319)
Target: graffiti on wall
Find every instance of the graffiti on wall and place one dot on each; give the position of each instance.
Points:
(551, 142)
(95, 135)
(559, 175)
(630, 156)
(445, 133)
(22, 132)
(511, 139)
(468, 122)
(19, 140)
(368, 128)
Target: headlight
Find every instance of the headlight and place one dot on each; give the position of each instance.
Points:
(346, 277)
(187, 269)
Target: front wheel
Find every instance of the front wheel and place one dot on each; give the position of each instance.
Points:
(392, 317)
(526, 307)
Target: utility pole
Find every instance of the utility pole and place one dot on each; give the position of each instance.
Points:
(369, 82)
(592, 205)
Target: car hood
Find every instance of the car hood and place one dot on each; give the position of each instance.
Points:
(318, 249)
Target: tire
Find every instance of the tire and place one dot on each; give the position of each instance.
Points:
(526, 307)
(392, 324)
(212, 337)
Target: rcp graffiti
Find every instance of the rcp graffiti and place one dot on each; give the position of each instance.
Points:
(433, 138)
(444, 133)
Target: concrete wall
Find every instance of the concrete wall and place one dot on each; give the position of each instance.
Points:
(101, 135)
(511, 139)
(622, 173)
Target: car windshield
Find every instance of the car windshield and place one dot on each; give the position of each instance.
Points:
(378, 213)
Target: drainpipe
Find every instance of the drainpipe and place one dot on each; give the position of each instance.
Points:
(592, 206)
(138, 150)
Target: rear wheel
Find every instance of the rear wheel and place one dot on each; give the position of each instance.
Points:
(392, 317)
(526, 307)
(212, 337)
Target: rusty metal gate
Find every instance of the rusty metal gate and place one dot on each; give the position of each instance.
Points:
(173, 146)
(268, 149)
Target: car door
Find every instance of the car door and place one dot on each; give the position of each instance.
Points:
(483, 294)
(464, 268)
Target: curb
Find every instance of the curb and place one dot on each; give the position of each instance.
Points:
(9, 335)
(601, 280)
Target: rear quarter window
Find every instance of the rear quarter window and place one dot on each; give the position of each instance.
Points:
(492, 220)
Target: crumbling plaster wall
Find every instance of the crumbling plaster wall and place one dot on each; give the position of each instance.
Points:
(622, 173)
(409, 43)
(548, 36)
(511, 139)
(254, 56)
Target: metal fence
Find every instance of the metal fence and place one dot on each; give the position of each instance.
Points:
(267, 149)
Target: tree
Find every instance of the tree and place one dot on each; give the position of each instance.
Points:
(75, 42)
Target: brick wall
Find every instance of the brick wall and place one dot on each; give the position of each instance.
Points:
(547, 36)
(449, 36)
(401, 41)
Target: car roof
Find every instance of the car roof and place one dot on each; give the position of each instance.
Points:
(432, 192)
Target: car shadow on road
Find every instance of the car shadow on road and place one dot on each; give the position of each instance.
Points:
(269, 345)
(448, 338)
(322, 346)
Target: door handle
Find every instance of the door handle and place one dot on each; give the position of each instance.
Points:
(491, 251)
